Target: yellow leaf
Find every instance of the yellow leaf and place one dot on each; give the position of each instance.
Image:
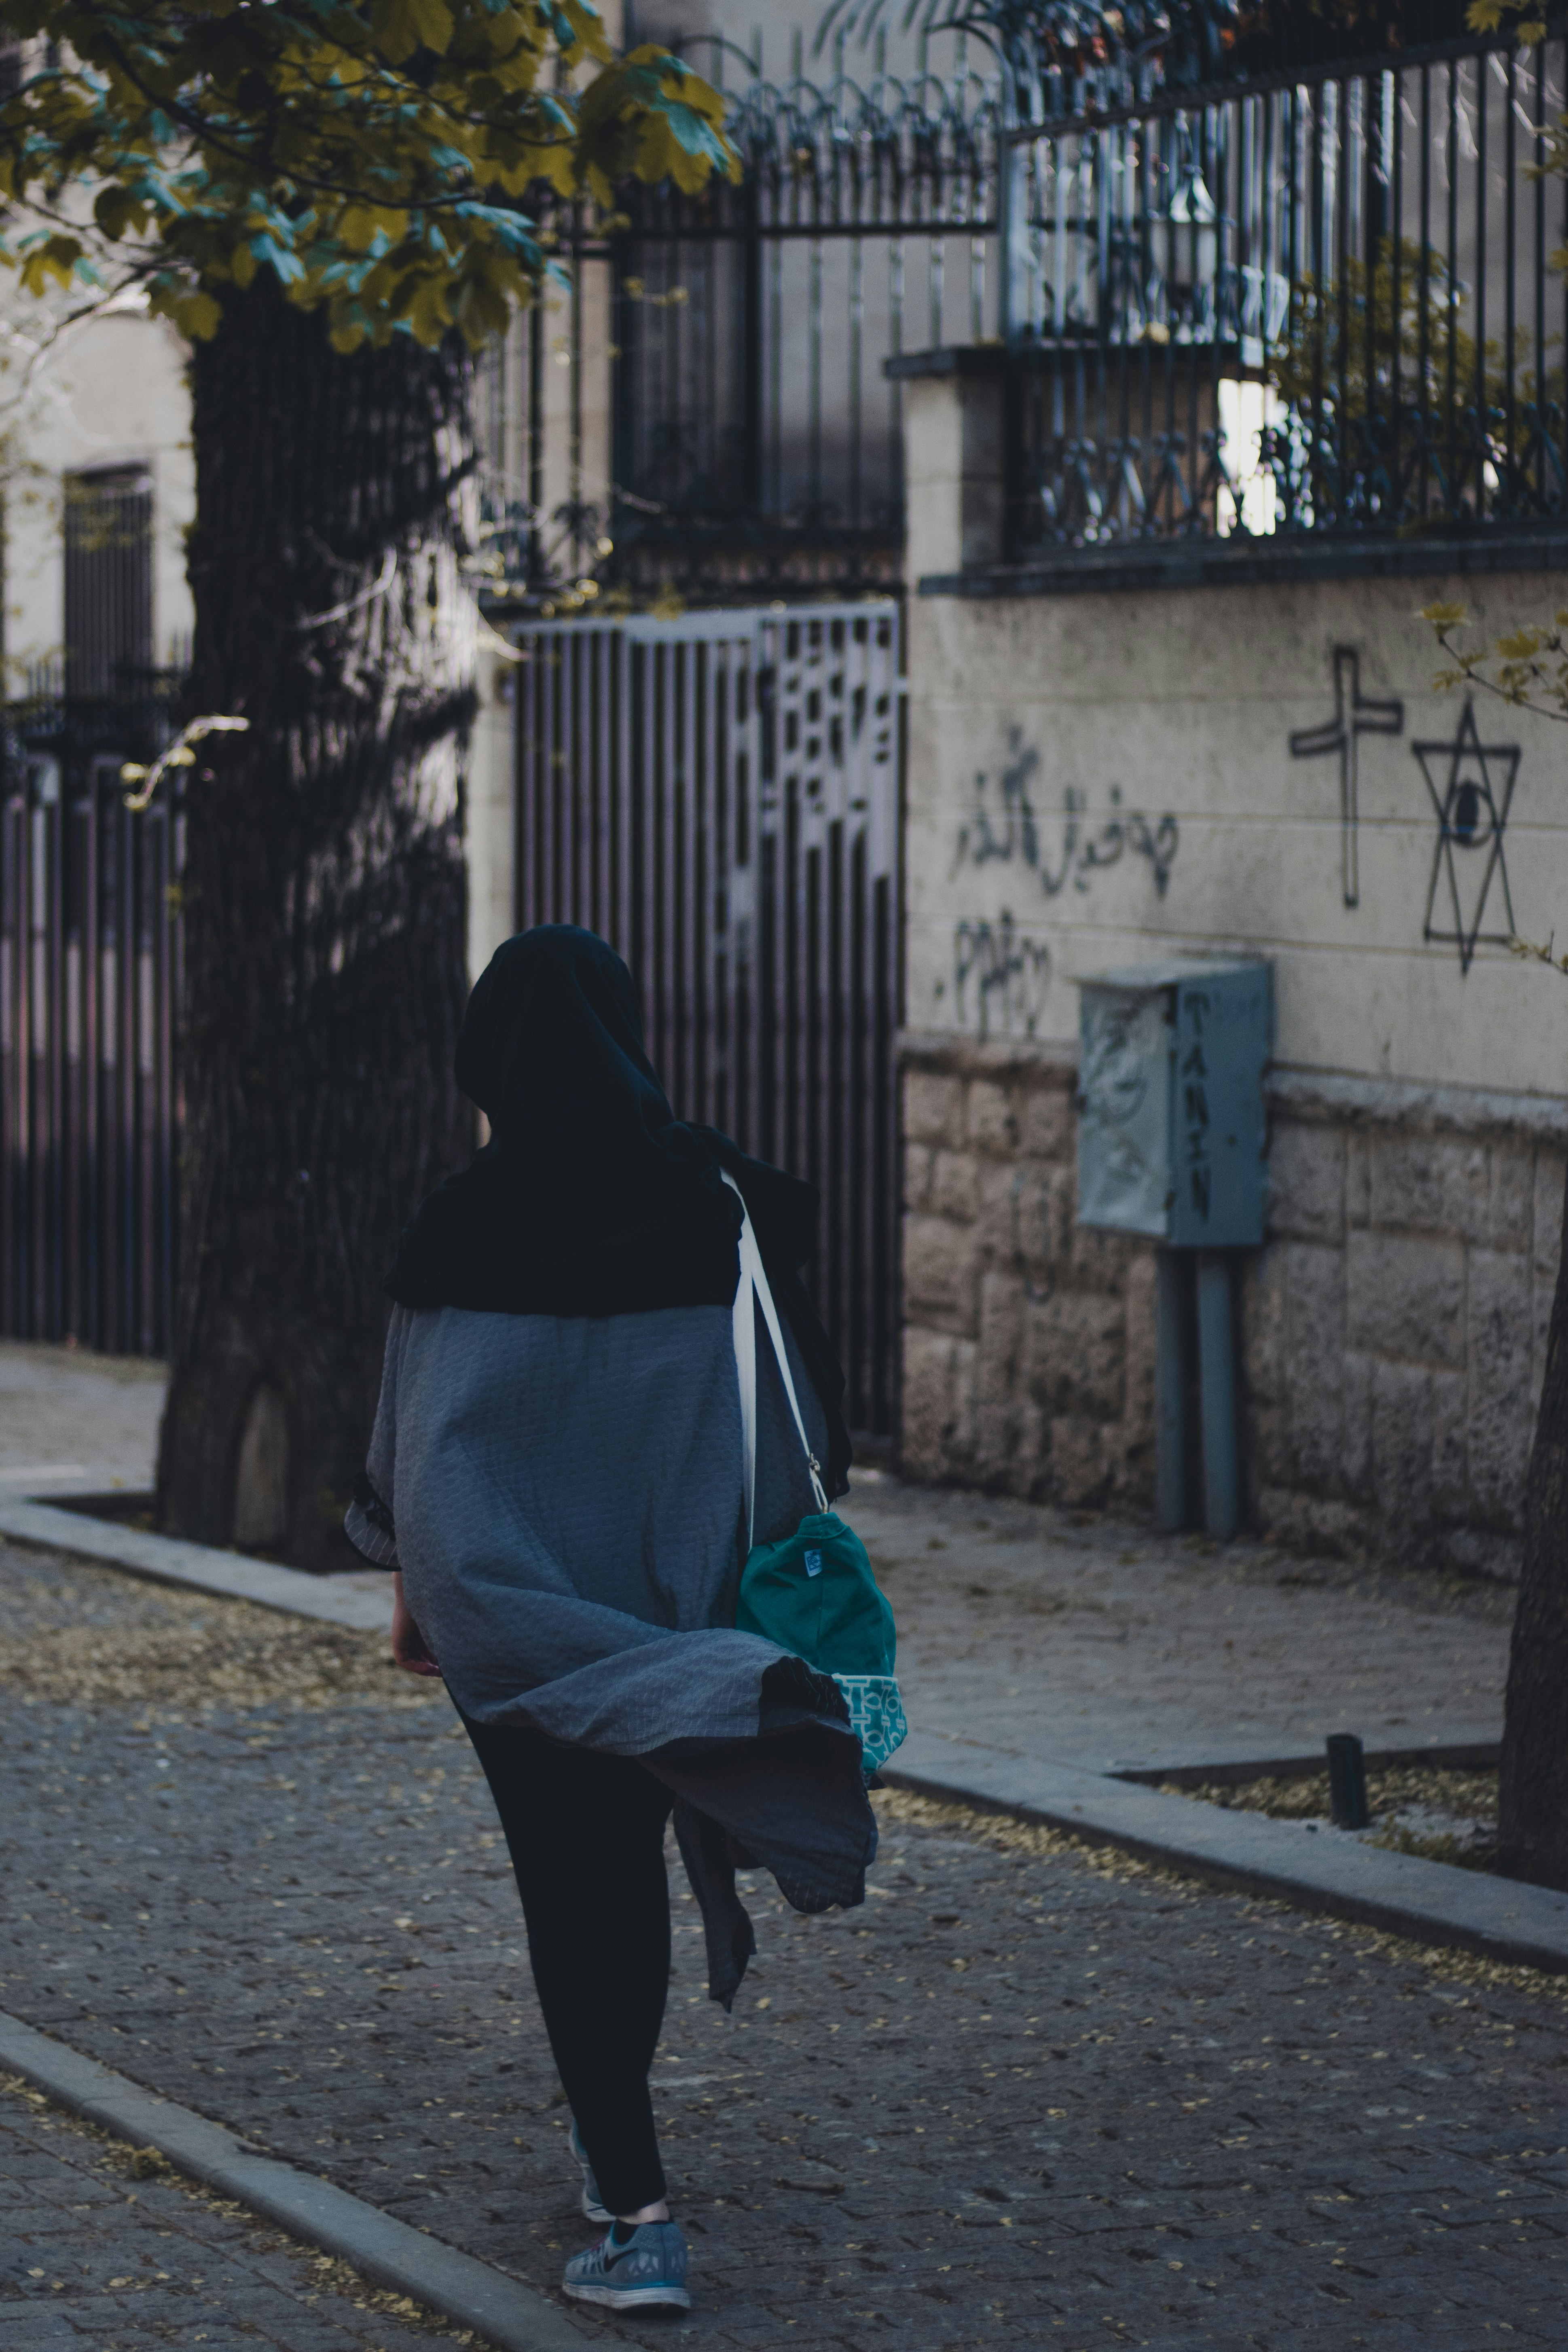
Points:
(1443, 616)
(401, 27)
(359, 226)
(195, 314)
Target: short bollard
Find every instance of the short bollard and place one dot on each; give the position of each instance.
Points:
(1347, 1782)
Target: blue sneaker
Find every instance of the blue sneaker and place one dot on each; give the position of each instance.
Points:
(648, 2268)
(594, 2206)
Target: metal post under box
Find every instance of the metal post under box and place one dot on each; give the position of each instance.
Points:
(1171, 1144)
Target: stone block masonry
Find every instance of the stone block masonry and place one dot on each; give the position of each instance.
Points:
(1392, 1330)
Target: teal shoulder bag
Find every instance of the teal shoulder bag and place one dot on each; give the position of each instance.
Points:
(812, 1593)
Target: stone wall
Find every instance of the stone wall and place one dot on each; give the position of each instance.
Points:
(1392, 1328)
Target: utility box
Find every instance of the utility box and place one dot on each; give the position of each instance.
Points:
(1171, 1126)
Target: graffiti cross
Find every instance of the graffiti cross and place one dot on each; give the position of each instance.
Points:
(1356, 715)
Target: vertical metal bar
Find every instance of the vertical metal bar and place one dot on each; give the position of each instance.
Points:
(895, 388)
(10, 1015)
(857, 343)
(126, 996)
(671, 1022)
(166, 922)
(705, 906)
(105, 1075)
(1480, 293)
(1510, 504)
(1344, 182)
(22, 1051)
(90, 1328)
(584, 830)
(752, 463)
(38, 1120)
(538, 568)
(745, 891)
(1538, 304)
(602, 916)
(1424, 301)
(1171, 1348)
(1372, 160)
(625, 873)
(146, 1081)
(1217, 1379)
(1450, 296)
(73, 1222)
(775, 498)
(655, 691)
(814, 378)
(581, 553)
(1393, 116)
(551, 655)
(56, 1231)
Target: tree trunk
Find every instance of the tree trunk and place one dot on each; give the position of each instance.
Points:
(324, 905)
(1533, 1813)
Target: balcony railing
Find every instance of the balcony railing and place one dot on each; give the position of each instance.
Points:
(1326, 305)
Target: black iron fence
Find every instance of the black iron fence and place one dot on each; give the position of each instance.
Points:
(1317, 297)
(718, 796)
(1327, 305)
(706, 412)
(90, 945)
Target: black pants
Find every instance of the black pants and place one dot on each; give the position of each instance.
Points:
(587, 1838)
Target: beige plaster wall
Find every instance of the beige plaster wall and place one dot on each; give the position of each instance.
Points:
(1184, 702)
(111, 392)
(1392, 1327)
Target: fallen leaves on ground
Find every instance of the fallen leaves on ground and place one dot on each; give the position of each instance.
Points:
(75, 1635)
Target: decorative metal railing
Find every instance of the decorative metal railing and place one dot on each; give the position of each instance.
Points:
(1326, 305)
(740, 437)
(1318, 297)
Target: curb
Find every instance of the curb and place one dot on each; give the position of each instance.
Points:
(1428, 1901)
(508, 2316)
(336, 1600)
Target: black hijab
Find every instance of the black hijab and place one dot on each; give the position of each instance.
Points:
(591, 1197)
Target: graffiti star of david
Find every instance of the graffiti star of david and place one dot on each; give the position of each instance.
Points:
(1356, 715)
(1471, 784)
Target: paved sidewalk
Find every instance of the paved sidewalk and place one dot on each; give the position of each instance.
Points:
(1024, 1629)
(1027, 2096)
(101, 2246)
(1091, 1642)
(73, 1422)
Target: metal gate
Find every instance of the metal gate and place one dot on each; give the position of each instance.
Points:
(88, 954)
(718, 797)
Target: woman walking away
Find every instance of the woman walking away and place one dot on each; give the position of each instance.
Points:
(557, 1475)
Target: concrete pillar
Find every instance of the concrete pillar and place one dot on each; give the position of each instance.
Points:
(954, 460)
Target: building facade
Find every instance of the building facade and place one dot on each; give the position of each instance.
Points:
(1103, 774)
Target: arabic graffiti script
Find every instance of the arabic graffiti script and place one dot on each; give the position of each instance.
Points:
(1004, 827)
(1004, 973)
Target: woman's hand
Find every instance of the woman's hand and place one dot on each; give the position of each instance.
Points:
(409, 1648)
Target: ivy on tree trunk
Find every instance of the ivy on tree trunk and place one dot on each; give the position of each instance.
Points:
(323, 900)
(1533, 1797)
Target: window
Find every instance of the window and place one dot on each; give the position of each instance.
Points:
(108, 578)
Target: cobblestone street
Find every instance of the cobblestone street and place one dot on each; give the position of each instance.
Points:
(102, 2245)
(1028, 2095)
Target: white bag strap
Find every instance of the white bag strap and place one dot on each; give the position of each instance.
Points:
(753, 1283)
